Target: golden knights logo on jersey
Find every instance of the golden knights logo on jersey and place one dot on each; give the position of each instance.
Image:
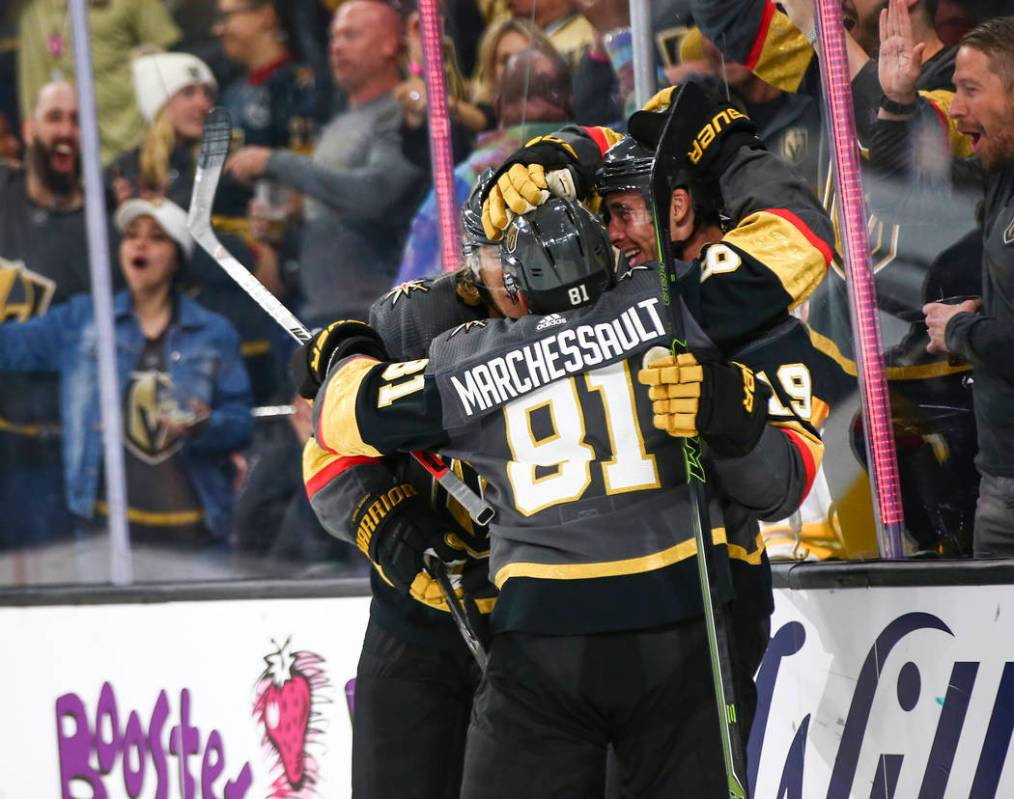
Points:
(1008, 234)
(795, 144)
(23, 293)
(150, 403)
(406, 289)
(465, 327)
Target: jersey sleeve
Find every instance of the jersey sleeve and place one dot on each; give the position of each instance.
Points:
(772, 260)
(369, 408)
(339, 487)
(758, 35)
(588, 142)
(774, 479)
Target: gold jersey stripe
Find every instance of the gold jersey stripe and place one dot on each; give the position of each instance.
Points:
(338, 428)
(615, 568)
(155, 518)
(814, 445)
(736, 552)
(315, 459)
(920, 372)
(784, 56)
(784, 249)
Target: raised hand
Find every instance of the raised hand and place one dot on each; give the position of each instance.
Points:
(900, 60)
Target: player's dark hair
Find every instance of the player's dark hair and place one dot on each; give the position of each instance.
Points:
(995, 38)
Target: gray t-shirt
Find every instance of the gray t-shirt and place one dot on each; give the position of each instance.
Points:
(360, 192)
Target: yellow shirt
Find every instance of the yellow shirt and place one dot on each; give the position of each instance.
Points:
(117, 27)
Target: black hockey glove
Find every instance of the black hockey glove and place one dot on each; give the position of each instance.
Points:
(311, 363)
(711, 131)
(395, 531)
(721, 402)
(546, 166)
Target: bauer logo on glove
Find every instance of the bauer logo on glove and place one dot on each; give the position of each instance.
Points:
(715, 400)
(712, 130)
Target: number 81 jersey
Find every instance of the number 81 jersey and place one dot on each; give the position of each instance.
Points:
(593, 526)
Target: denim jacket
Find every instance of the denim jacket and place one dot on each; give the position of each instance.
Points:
(202, 358)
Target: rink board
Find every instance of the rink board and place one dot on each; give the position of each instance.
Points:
(869, 688)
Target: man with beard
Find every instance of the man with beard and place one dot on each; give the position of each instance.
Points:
(982, 332)
(42, 242)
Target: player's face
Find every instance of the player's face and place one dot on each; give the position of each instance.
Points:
(187, 110)
(630, 227)
(147, 256)
(862, 20)
(491, 274)
(983, 108)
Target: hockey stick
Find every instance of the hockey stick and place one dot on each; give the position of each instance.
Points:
(716, 618)
(210, 161)
(437, 569)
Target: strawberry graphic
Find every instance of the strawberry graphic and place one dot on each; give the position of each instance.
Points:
(284, 709)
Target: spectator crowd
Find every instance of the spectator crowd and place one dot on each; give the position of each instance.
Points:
(327, 199)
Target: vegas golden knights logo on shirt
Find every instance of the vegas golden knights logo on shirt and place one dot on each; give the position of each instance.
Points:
(1008, 234)
(23, 293)
(150, 401)
(794, 145)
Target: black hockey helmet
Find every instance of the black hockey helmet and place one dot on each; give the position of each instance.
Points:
(626, 166)
(473, 234)
(556, 257)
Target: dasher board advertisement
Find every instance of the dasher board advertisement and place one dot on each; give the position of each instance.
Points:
(886, 692)
(226, 699)
(878, 693)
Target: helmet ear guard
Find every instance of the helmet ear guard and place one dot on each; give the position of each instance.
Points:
(556, 257)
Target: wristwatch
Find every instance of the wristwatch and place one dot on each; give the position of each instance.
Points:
(901, 109)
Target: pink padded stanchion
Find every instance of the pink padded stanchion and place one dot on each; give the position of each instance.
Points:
(441, 156)
(876, 407)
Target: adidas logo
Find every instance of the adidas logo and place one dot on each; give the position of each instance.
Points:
(552, 320)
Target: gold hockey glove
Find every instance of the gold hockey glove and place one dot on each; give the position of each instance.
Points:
(721, 402)
(546, 166)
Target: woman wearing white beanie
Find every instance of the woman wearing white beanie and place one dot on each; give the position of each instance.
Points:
(175, 92)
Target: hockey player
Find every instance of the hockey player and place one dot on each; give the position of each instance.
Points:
(759, 239)
(622, 181)
(597, 634)
(416, 678)
(930, 401)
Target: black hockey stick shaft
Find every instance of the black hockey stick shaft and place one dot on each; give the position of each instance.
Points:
(716, 618)
(437, 569)
(214, 149)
